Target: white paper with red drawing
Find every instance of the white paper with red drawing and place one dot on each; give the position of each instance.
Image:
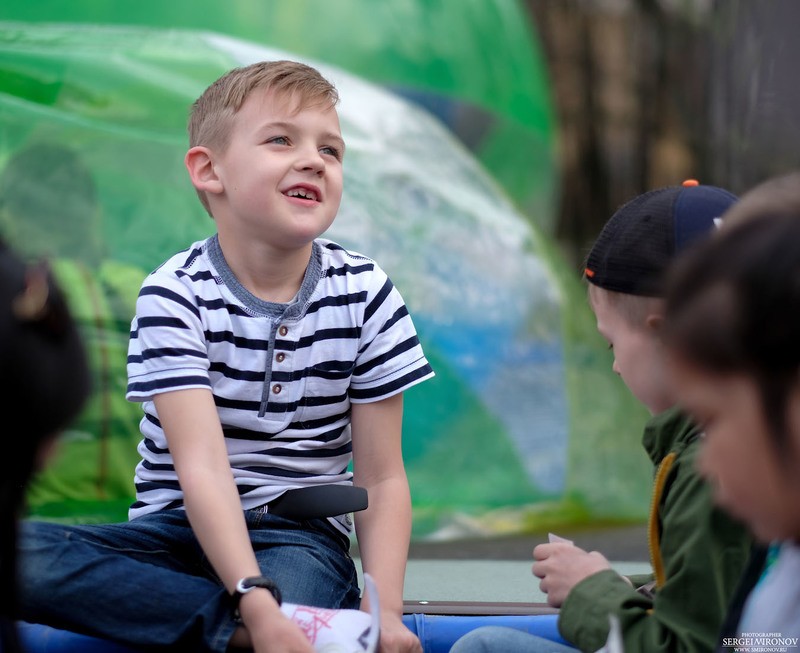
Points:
(340, 631)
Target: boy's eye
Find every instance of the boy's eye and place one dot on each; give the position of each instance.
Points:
(279, 140)
(331, 151)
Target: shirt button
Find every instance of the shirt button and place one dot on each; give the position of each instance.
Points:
(280, 357)
(276, 389)
(283, 330)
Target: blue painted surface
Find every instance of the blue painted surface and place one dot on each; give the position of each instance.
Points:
(437, 633)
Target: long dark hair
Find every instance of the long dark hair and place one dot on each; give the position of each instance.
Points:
(733, 307)
(44, 383)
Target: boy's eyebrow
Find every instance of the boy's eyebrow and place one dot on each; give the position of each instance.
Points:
(336, 139)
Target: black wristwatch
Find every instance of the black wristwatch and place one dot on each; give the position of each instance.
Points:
(246, 585)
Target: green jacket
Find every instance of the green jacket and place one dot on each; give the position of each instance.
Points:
(696, 550)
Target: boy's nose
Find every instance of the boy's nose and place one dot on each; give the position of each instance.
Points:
(310, 159)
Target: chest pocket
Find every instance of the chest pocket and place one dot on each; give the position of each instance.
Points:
(325, 390)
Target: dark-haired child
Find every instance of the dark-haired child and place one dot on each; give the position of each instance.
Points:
(732, 325)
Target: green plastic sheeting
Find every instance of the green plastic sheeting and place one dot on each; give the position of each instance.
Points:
(476, 64)
(524, 424)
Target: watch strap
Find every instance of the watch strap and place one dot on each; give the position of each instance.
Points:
(248, 584)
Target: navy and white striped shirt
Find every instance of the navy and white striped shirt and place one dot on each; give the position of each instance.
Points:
(283, 376)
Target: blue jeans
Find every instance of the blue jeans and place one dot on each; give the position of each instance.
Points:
(147, 582)
(501, 639)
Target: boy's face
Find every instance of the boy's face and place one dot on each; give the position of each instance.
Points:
(738, 455)
(638, 354)
(281, 172)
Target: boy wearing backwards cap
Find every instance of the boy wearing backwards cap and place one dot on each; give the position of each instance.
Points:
(697, 552)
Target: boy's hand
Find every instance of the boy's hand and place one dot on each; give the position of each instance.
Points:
(561, 566)
(270, 631)
(395, 637)
(283, 636)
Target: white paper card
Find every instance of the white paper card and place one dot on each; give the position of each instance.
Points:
(552, 538)
(340, 631)
(614, 641)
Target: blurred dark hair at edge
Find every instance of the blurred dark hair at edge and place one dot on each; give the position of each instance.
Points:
(45, 383)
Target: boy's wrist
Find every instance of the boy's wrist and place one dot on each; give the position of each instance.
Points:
(247, 585)
(250, 583)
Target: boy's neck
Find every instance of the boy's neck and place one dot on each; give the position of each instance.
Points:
(269, 274)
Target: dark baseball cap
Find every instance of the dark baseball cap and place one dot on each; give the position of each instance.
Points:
(641, 239)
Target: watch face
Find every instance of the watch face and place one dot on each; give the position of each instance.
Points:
(246, 584)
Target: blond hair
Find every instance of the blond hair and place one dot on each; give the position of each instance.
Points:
(211, 117)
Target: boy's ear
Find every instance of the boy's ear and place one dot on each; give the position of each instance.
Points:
(654, 321)
(200, 164)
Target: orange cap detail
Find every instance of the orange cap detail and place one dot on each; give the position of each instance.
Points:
(589, 273)
(690, 182)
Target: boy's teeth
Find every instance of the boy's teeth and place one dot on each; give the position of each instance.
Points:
(301, 193)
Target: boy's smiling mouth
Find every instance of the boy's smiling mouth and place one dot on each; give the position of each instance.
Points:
(304, 193)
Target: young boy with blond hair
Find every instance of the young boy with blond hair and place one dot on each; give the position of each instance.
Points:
(267, 359)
